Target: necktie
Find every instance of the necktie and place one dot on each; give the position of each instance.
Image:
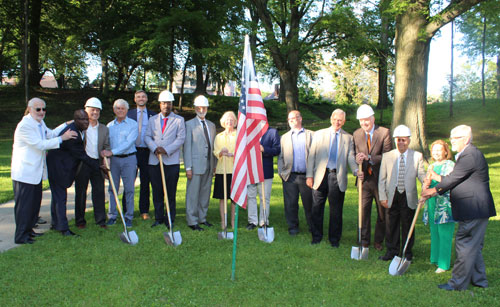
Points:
(164, 125)
(138, 140)
(401, 174)
(206, 137)
(332, 159)
(369, 145)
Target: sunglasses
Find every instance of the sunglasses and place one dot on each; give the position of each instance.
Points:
(40, 109)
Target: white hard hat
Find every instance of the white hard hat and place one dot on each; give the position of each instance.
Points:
(201, 101)
(364, 111)
(166, 96)
(94, 103)
(401, 131)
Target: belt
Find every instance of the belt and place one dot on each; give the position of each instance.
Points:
(124, 156)
(331, 170)
(297, 173)
(142, 148)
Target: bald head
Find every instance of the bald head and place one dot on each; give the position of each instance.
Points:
(81, 119)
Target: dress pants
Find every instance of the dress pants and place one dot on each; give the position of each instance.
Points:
(469, 265)
(142, 156)
(59, 220)
(198, 197)
(295, 185)
(400, 219)
(124, 168)
(27, 200)
(252, 190)
(370, 193)
(96, 179)
(329, 188)
(171, 179)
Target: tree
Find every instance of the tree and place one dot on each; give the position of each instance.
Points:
(415, 28)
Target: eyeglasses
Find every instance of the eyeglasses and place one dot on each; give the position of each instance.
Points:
(456, 137)
(40, 109)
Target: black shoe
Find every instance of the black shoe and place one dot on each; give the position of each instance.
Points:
(41, 221)
(446, 287)
(409, 257)
(35, 234)
(251, 226)
(196, 227)
(334, 244)
(156, 223)
(293, 232)
(315, 241)
(206, 223)
(68, 233)
(27, 241)
(386, 257)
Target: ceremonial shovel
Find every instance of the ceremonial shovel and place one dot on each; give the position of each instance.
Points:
(360, 253)
(265, 233)
(224, 234)
(175, 238)
(126, 236)
(399, 265)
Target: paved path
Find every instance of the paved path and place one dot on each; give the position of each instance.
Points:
(8, 225)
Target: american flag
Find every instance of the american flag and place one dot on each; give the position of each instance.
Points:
(252, 124)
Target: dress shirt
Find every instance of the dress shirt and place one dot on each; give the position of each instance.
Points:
(144, 125)
(299, 151)
(459, 153)
(122, 136)
(370, 135)
(334, 135)
(91, 141)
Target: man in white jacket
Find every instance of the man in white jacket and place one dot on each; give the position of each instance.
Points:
(31, 139)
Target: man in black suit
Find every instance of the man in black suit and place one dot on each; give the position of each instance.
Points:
(141, 115)
(471, 204)
(62, 165)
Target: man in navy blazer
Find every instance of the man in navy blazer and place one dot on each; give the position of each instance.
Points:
(471, 204)
(62, 166)
(142, 115)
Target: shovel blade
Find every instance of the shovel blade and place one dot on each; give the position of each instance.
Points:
(168, 238)
(364, 253)
(177, 238)
(225, 235)
(356, 253)
(173, 239)
(398, 266)
(266, 236)
(129, 238)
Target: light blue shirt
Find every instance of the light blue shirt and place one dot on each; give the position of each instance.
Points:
(122, 136)
(299, 151)
(144, 125)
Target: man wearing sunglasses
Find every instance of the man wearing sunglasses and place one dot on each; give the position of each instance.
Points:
(31, 140)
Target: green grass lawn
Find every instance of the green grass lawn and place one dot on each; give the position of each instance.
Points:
(98, 269)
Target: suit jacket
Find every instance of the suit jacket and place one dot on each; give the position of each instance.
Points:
(469, 186)
(271, 143)
(132, 113)
(196, 147)
(62, 163)
(28, 151)
(388, 178)
(171, 139)
(381, 143)
(285, 159)
(102, 143)
(318, 157)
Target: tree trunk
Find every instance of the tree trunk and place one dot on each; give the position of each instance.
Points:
(281, 93)
(410, 91)
(498, 77)
(120, 77)
(172, 62)
(484, 61)
(144, 80)
(104, 75)
(383, 97)
(200, 85)
(451, 71)
(34, 44)
(290, 89)
(183, 80)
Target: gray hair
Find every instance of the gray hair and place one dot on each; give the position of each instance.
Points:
(462, 131)
(120, 102)
(225, 116)
(34, 100)
(338, 111)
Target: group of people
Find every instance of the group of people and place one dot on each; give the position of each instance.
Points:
(312, 165)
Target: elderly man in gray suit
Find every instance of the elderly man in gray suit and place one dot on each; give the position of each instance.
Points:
(397, 190)
(331, 150)
(292, 165)
(199, 163)
(164, 136)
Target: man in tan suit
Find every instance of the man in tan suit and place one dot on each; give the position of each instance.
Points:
(96, 140)
(397, 190)
(331, 151)
(292, 165)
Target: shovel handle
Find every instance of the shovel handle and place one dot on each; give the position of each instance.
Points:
(412, 227)
(112, 183)
(165, 195)
(360, 203)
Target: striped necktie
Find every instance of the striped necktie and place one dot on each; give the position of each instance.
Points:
(401, 174)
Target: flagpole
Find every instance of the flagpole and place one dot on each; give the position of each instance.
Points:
(233, 265)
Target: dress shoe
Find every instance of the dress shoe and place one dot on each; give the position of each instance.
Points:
(207, 223)
(251, 226)
(156, 223)
(35, 234)
(386, 257)
(41, 221)
(145, 216)
(81, 226)
(104, 226)
(365, 245)
(293, 232)
(335, 244)
(27, 241)
(446, 287)
(315, 241)
(196, 227)
(68, 233)
(111, 222)
(378, 246)
(439, 271)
